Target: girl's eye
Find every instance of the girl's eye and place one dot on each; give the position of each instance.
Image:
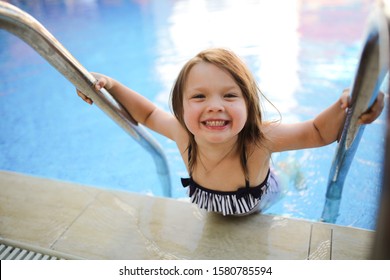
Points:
(230, 95)
(198, 96)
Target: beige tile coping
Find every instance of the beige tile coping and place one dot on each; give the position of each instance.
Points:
(94, 223)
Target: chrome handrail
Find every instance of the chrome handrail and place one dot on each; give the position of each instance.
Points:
(39, 38)
(372, 68)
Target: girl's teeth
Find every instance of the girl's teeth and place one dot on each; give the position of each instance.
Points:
(215, 123)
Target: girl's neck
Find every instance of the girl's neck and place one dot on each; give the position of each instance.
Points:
(215, 150)
(211, 155)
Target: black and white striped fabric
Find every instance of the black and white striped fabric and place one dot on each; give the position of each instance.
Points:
(242, 201)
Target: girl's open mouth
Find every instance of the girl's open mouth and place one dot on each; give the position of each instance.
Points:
(216, 124)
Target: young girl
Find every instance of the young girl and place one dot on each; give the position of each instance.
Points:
(219, 130)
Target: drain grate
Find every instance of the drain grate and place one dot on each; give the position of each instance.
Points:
(14, 253)
(13, 250)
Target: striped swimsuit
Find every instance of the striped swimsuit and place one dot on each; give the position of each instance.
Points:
(244, 201)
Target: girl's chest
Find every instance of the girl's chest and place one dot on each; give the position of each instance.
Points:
(230, 175)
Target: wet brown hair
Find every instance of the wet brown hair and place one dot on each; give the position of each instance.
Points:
(231, 63)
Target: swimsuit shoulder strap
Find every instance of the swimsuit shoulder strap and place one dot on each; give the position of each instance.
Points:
(245, 160)
(189, 149)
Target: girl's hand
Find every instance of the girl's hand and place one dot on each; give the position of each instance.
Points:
(101, 82)
(84, 97)
(372, 113)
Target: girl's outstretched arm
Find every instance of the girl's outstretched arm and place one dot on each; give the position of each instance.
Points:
(323, 130)
(139, 107)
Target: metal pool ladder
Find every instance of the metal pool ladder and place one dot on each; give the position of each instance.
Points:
(372, 68)
(39, 38)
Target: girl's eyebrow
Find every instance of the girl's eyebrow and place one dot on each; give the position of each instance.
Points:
(203, 88)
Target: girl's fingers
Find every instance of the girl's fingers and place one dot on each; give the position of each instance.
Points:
(84, 97)
(374, 111)
(99, 84)
(344, 99)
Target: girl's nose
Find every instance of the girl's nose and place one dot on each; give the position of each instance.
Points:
(215, 105)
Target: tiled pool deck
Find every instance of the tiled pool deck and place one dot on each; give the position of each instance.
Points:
(92, 223)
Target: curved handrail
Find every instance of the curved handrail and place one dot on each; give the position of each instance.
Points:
(371, 71)
(39, 38)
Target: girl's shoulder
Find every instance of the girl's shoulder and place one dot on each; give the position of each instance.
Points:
(181, 138)
(258, 162)
(258, 150)
(264, 145)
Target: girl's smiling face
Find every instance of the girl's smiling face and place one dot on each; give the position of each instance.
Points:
(214, 106)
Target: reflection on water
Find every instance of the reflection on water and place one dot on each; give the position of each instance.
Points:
(263, 34)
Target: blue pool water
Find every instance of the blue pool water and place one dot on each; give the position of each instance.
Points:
(302, 55)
